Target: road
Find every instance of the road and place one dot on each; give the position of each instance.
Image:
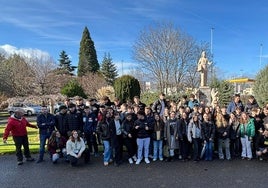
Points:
(216, 174)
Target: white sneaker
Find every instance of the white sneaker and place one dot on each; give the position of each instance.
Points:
(146, 160)
(138, 161)
(154, 159)
(130, 161)
(134, 158)
(161, 159)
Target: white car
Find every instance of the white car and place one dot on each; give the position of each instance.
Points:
(29, 109)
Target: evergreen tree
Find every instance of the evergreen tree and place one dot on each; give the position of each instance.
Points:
(87, 55)
(72, 88)
(65, 66)
(126, 87)
(260, 87)
(225, 90)
(108, 69)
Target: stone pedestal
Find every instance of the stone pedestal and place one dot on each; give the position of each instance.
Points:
(204, 95)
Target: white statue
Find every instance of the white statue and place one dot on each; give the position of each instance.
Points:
(202, 68)
(214, 97)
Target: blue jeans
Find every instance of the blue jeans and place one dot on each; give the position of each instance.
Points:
(143, 143)
(107, 150)
(208, 152)
(226, 144)
(158, 149)
(43, 138)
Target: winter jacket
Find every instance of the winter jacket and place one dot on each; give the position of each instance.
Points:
(59, 144)
(208, 131)
(61, 124)
(46, 123)
(128, 127)
(75, 121)
(171, 129)
(220, 131)
(89, 123)
(247, 129)
(158, 127)
(193, 128)
(104, 129)
(232, 105)
(75, 148)
(141, 132)
(17, 127)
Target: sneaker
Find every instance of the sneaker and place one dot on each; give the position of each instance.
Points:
(138, 161)
(30, 159)
(130, 161)
(260, 158)
(161, 159)
(105, 163)
(134, 158)
(146, 160)
(20, 163)
(154, 159)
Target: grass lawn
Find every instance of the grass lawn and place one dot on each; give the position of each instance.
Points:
(10, 147)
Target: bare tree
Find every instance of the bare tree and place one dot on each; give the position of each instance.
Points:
(91, 82)
(42, 66)
(168, 54)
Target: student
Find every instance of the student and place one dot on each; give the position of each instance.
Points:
(158, 136)
(56, 146)
(143, 130)
(247, 132)
(76, 147)
(17, 126)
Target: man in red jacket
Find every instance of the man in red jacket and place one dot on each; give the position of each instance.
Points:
(17, 126)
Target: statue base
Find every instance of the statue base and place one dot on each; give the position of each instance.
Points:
(204, 95)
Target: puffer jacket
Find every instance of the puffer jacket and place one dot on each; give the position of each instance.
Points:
(247, 129)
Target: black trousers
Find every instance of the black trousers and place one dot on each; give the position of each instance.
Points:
(92, 141)
(117, 144)
(73, 160)
(19, 142)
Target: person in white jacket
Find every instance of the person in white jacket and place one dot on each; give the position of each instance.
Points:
(76, 148)
(194, 136)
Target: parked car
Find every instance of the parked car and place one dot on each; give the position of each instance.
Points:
(29, 109)
(55, 107)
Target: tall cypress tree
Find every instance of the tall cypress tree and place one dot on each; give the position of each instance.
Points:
(87, 55)
(108, 69)
(65, 66)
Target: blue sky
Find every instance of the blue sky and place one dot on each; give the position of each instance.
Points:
(49, 26)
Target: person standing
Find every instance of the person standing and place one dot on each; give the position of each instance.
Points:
(208, 134)
(247, 132)
(160, 105)
(143, 130)
(61, 121)
(171, 135)
(17, 126)
(158, 136)
(46, 124)
(89, 128)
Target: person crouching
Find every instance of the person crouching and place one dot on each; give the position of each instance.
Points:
(76, 147)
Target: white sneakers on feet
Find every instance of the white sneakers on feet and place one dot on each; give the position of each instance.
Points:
(130, 161)
(134, 158)
(146, 160)
(138, 161)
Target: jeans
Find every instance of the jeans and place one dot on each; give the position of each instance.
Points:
(246, 147)
(43, 138)
(107, 150)
(226, 144)
(158, 149)
(143, 143)
(209, 151)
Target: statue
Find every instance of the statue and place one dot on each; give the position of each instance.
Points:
(214, 97)
(202, 68)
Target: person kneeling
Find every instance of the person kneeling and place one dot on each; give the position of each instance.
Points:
(76, 148)
(56, 146)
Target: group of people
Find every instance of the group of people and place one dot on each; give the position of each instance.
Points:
(165, 130)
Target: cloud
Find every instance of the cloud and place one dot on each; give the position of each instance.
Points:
(9, 50)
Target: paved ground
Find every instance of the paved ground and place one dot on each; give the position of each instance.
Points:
(231, 174)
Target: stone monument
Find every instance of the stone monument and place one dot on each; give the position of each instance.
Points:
(204, 95)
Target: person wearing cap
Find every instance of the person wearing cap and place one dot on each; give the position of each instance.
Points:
(17, 126)
(46, 124)
(74, 119)
(61, 121)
